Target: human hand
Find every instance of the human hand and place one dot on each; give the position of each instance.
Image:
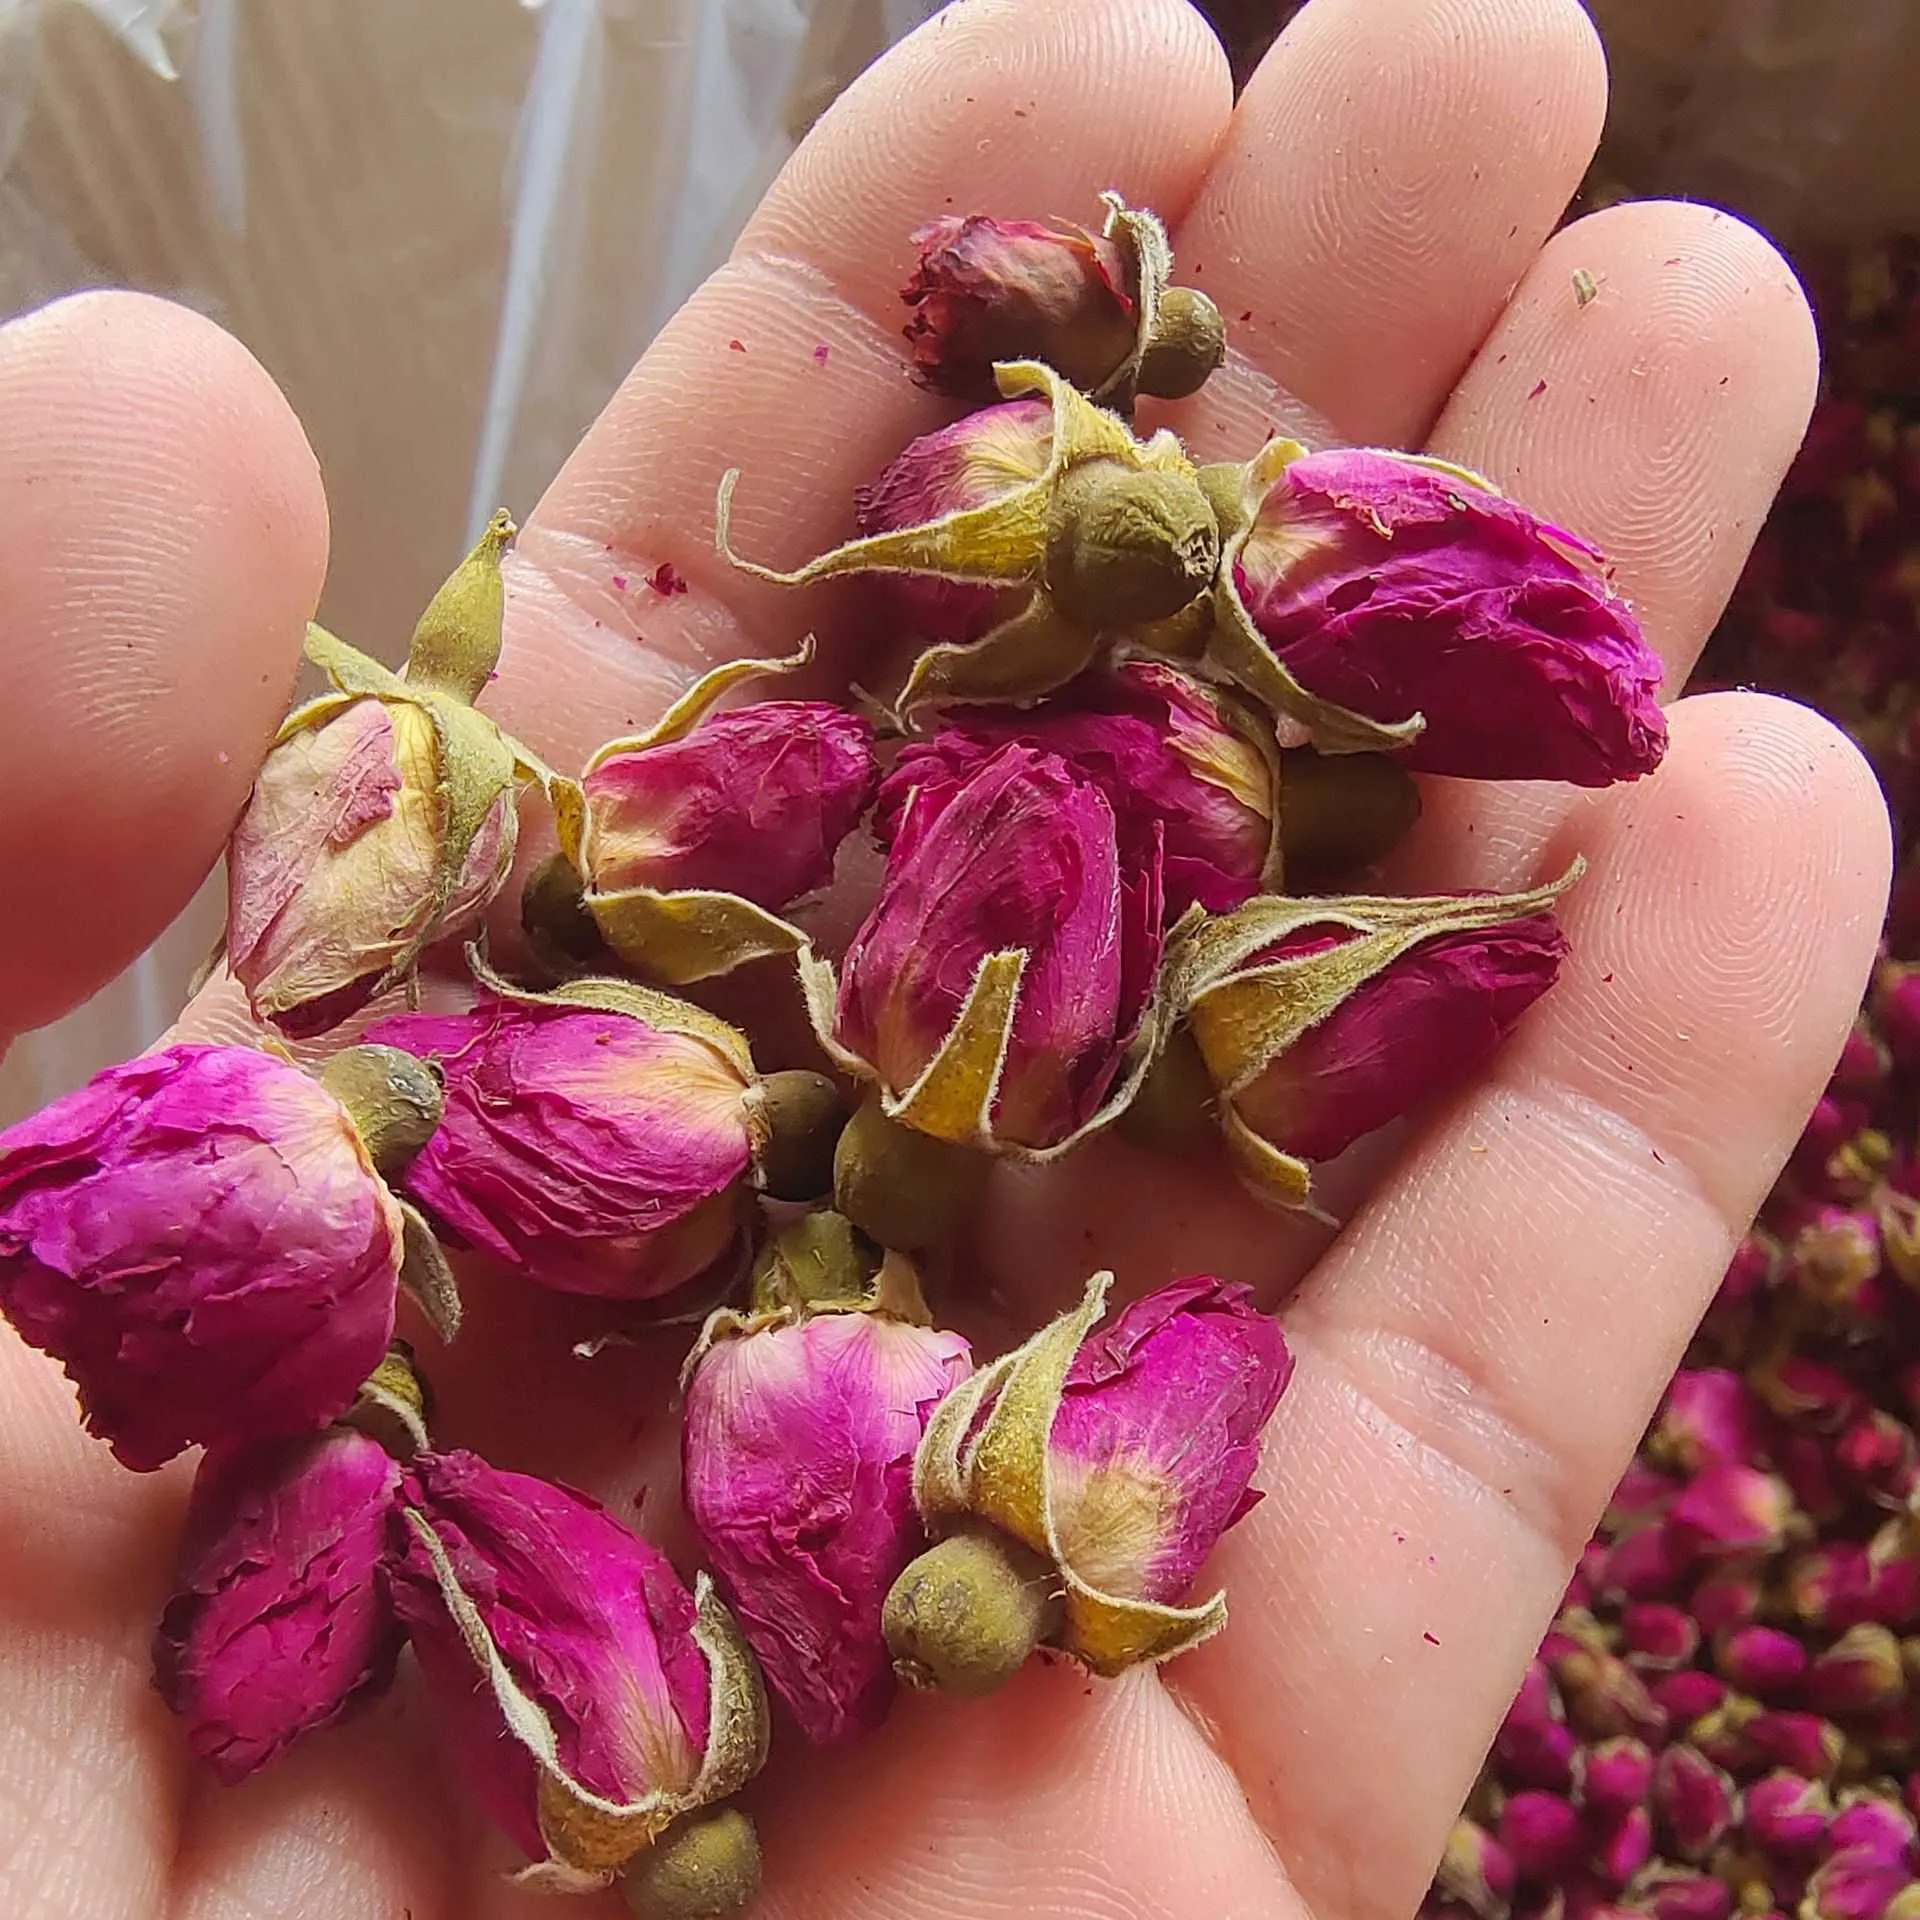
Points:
(1477, 1350)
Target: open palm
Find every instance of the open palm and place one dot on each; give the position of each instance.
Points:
(1478, 1348)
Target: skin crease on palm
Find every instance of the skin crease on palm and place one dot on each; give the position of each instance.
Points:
(1519, 1271)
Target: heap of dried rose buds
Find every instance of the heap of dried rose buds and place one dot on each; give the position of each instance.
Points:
(1158, 721)
(1726, 1715)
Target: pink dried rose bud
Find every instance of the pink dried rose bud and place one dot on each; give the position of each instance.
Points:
(1163, 748)
(1096, 306)
(279, 1621)
(998, 991)
(1604, 1696)
(1860, 1672)
(1671, 1894)
(1622, 1847)
(1878, 1825)
(1687, 1696)
(1786, 1814)
(1077, 1485)
(1475, 1873)
(1693, 1801)
(1542, 1834)
(1320, 1021)
(1709, 1417)
(797, 1465)
(1761, 1660)
(1535, 1747)
(1727, 1599)
(383, 817)
(1860, 1883)
(1017, 540)
(1381, 598)
(1641, 1494)
(1656, 1636)
(597, 1140)
(1618, 1774)
(591, 1700)
(1803, 1743)
(199, 1237)
(1647, 1564)
(1729, 1510)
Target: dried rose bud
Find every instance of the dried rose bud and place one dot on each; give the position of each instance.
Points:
(1095, 306)
(1542, 1835)
(1859, 1883)
(201, 1240)
(1693, 1800)
(1878, 1450)
(1787, 1814)
(1383, 599)
(1726, 1600)
(1799, 1387)
(1535, 1747)
(1801, 1742)
(598, 1139)
(1322, 1020)
(1709, 1416)
(1878, 1825)
(1896, 1011)
(1475, 1872)
(1834, 1255)
(1805, 1463)
(1164, 749)
(1688, 1695)
(694, 836)
(1732, 1509)
(1643, 1493)
(1605, 1696)
(383, 817)
(1622, 1847)
(1859, 1673)
(998, 988)
(591, 1699)
(1647, 1564)
(1018, 538)
(279, 1622)
(1618, 1774)
(1082, 1481)
(1761, 1660)
(797, 1465)
(1656, 1636)
(1829, 1585)
(1668, 1893)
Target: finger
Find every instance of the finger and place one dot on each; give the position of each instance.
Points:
(162, 542)
(1393, 167)
(789, 364)
(1481, 1349)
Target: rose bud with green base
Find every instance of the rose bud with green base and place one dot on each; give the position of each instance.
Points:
(1019, 538)
(204, 1239)
(383, 817)
(1077, 1485)
(1321, 1020)
(1096, 307)
(802, 1419)
(693, 838)
(1385, 600)
(595, 1705)
(598, 1139)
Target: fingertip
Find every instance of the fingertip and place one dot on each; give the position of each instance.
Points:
(163, 537)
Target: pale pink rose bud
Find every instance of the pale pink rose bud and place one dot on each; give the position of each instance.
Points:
(1693, 1800)
(1012, 943)
(1622, 1847)
(1688, 1695)
(199, 1237)
(1761, 1660)
(1786, 1814)
(1803, 1743)
(1164, 749)
(1656, 1636)
(589, 1147)
(590, 1699)
(1618, 1775)
(753, 802)
(1387, 587)
(1542, 1835)
(1859, 1673)
(279, 1621)
(1709, 1417)
(797, 1468)
(1733, 1509)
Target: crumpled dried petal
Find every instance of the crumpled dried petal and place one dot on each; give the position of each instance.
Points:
(1092, 532)
(597, 1140)
(589, 1697)
(1320, 1020)
(1001, 991)
(1163, 747)
(279, 1622)
(797, 1466)
(200, 1239)
(1382, 598)
(1120, 1457)
(383, 817)
(692, 837)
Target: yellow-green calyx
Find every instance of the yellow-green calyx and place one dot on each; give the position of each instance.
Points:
(966, 1615)
(700, 1870)
(393, 1100)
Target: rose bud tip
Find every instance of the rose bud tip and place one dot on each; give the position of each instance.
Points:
(702, 1870)
(966, 1615)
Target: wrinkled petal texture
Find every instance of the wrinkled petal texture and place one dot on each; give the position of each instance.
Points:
(1413, 1033)
(754, 802)
(1157, 1435)
(977, 460)
(586, 1150)
(798, 1452)
(1394, 588)
(987, 290)
(592, 1623)
(1024, 857)
(198, 1237)
(280, 1620)
(1156, 744)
